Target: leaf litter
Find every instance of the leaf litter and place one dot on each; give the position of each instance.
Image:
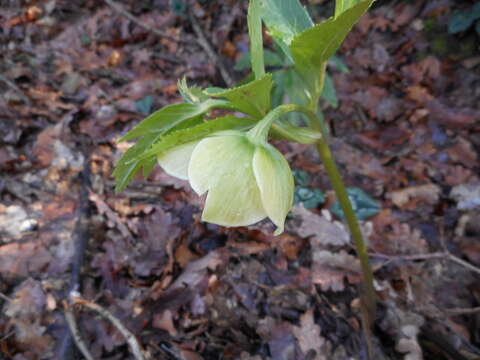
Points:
(405, 132)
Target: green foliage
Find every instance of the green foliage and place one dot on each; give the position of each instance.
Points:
(315, 46)
(363, 205)
(253, 98)
(343, 5)
(206, 128)
(256, 39)
(285, 19)
(310, 198)
(463, 20)
(144, 105)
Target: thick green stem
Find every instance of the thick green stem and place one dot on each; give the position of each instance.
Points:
(369, 296)
(256, 39)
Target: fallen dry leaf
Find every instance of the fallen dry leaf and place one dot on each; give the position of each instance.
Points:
(330, 269)
(309, 337)
(428, 193)
(321, 230)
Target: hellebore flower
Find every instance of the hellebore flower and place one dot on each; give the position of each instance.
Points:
(246, 180)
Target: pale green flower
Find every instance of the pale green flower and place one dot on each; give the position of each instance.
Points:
(246, 181)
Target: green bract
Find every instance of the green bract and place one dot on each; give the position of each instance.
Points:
(246, 181)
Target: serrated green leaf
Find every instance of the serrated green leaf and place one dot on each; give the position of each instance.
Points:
(285, 18)
(253, 98)
(125, 169)
(271, 59)
(200, 131)
(343, 5)
(256, 38)
(313, 47)
(168, 117)
(329, 93)
(191, 94)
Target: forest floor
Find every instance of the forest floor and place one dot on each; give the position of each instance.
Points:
(76, 75)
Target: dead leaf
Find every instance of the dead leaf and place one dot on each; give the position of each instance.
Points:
(321, 230)
(309, 337)
(429, 193)
(330, 269)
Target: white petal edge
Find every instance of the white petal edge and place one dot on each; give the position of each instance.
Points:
(175, 161)
(275, 181)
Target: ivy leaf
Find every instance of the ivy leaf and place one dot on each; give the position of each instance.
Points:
(200, 131)
(313, 47)
(329, 93)
(168, 117)
(310, 198)
(285, 18)
(253, 98)
(462, 20)
(363, 205)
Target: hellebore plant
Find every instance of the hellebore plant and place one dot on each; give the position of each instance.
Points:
(230, 158)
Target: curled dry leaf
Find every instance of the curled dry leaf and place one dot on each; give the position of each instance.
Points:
(320, 228)
(309, 337)
(428, 193)
(330, 269)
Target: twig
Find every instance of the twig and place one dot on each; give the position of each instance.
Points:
(16, 88)
(437, 255)
(65, 349)
(131, 340)
(461, 311)
(72, 324)
(5, 297)
(119, 8)
(203, 42)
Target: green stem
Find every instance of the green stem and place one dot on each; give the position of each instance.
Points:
(339, 187)
(256, 40)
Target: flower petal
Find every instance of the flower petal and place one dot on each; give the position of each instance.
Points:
(175, 161)
(275, 180)
(235, 200)
(216, 157)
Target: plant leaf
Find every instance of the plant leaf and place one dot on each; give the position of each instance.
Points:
(343, 5)
(314, 46)
(179, 137)
(253, 98)
(303, 135)
(126, 169)
(192, 94)
(271, 59)
(285, 18)
(329, 93)
(168, 117)
(256, 39)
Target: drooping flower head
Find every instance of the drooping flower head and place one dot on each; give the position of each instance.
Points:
(245, 180)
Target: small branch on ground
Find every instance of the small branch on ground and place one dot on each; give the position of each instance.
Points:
(119, 8)
(65, 349)
(461, 311)
(203, 42)
(437, 255)
(16, 88)
(72, 324)
(131, 339)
